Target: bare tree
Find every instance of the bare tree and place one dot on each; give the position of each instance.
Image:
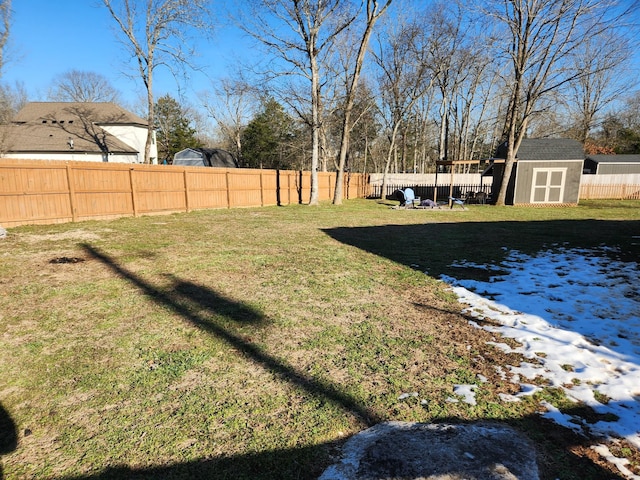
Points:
(5, 27)
(154, 33)
(539, 37)
(83, 86)
(600, 58)
(12, 99)
(231, 105)
(404, 78)
(373, 12)
(301, 33)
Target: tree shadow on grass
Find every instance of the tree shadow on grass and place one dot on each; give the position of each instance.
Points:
(434, 247)
(196, 304)
(184, 295)
(8, 435)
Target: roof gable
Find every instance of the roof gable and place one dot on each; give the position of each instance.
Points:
(546, 149)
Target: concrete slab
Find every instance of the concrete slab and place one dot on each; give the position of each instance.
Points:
(412, 451)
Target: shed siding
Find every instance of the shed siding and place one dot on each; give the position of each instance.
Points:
(525, 176)
(615, 168)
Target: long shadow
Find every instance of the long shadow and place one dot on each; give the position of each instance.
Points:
(437, 248)
(305, 462)
(8, 435)
(185, 294)
(554, 450)
(434, 247)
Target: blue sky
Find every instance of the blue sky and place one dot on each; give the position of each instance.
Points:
(51, 37)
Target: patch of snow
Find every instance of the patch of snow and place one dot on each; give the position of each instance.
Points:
(407, 395)
(576, 315)
(620, 463)
(468, 392)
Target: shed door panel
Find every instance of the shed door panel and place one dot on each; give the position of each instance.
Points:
(548, 185)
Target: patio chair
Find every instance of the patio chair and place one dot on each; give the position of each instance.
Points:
(406, 198)
(453, 201)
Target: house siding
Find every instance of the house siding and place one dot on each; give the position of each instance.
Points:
(134, 136)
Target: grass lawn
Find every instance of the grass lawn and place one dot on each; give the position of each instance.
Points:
(251, 343)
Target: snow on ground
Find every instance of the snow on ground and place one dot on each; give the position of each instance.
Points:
(576, 314)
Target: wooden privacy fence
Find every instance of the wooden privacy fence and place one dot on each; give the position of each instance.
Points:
(46, 192)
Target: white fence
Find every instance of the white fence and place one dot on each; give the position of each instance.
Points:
(620, 186)
(616, 186)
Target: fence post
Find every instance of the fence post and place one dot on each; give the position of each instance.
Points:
(261, 189)
(186, 191)
(134, 200)
(72, 194)
(226, 178)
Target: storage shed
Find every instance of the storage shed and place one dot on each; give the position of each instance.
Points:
(205, 157)
(612, 164)
(547, 171)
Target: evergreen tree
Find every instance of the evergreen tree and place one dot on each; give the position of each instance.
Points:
(267, 139)
(173, 129)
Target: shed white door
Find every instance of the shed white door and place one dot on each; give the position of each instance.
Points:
(548, 185)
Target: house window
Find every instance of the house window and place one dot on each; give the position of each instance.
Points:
(548, 185)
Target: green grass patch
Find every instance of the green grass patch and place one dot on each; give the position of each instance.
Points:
(250, 343)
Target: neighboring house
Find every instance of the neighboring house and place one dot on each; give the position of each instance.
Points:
(84, 131)
(205, 157)
(547, 171)
(612, 164)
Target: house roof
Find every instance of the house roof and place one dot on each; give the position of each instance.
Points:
(55, 138)
(614, 158)
(545, 149)
(105, 113)
(55, 127)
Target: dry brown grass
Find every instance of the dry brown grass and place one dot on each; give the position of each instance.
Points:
(252, 343)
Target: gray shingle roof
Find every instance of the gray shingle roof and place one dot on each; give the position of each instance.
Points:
(546, 149)
(615, 158)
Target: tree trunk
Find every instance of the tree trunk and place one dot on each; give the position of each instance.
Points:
(315, 131)
(372, 17)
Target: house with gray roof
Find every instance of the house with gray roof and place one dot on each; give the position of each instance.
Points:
(547, 172)
(76, 131)
(612, 164)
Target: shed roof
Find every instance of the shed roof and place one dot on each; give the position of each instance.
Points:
(614, 158)
(545, 149)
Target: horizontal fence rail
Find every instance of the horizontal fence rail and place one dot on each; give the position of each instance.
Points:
(47, 192)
